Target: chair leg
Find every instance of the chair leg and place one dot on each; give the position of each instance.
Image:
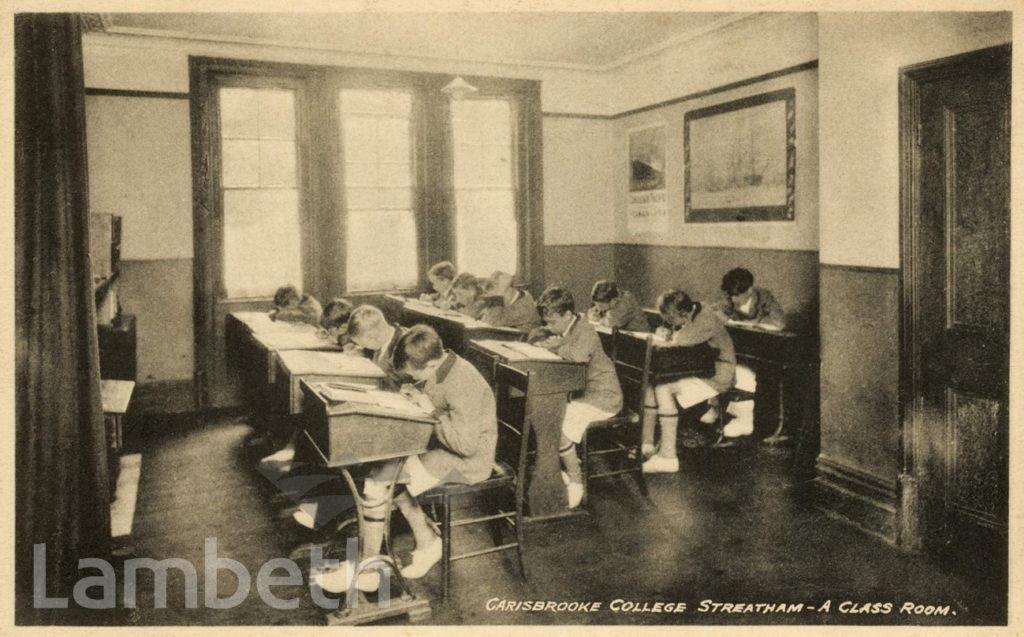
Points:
(446, 547)
(520, 541)
(585, 468)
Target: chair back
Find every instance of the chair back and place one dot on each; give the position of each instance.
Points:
(515, 423)
(632, 358)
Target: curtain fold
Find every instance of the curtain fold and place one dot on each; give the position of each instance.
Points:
(61, 491)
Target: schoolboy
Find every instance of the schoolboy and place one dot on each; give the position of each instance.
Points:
(573, 338)
(509, 305)
(441, 276)
(616, 308)
(686, 323)
(289, 305)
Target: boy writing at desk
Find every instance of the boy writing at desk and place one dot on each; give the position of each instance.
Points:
(570, 336)
(614, 308)
(508, 305)
(687, 323)
(441, 276)
(745, 304)
(461, 451)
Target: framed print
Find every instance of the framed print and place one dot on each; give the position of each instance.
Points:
(740, 159)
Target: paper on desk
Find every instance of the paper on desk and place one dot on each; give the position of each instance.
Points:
(532, 351)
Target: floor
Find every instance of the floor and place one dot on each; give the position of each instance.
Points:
(732, 527)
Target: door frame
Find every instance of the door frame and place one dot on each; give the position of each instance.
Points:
(911, 535)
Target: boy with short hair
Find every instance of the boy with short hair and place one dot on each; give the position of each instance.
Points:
(462, 451)
(744, 303)
(616, 308)
(334, 321)
(469, 296)
(570, 336)
(509, 305)
(368, 330)
(441, 276)
(289, 305)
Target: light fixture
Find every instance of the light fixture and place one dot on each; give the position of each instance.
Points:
(458, 88)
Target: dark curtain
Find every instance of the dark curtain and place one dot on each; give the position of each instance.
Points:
(62, 497)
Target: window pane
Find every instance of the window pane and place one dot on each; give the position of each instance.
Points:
(381, 246)
(262, 247)
(238, 113)
(261, 241)
(486, 232)
(277, 163)
(277, 114)
(240, 163)
(381, 250)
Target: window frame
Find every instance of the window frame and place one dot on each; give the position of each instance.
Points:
(321, 182)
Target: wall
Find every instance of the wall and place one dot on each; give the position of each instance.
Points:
(140, 168)
(860, 58)
(695, 256)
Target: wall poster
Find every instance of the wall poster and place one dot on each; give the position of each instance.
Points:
(648, 201)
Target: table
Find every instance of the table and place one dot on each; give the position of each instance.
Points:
(115, 396)
(294, 366)
(344, 435)
(552, 380)
(456, 330)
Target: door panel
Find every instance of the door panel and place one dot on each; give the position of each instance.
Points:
(959, 302)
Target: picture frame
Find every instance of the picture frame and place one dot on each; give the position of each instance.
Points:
(740, 159)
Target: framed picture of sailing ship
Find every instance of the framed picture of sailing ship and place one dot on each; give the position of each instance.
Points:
(740, 159)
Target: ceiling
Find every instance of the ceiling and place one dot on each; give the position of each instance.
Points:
(584, 40)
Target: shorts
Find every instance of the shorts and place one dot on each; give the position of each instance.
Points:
(414, 476)
(578, 416)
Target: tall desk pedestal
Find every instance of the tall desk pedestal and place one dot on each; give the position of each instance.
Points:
(552, 379)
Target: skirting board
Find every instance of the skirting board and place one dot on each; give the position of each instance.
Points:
(864, 500)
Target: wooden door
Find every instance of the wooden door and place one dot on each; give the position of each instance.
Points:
(955, 129)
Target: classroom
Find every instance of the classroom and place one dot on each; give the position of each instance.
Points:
(547, 317)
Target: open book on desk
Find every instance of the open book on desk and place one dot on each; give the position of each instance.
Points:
(765, 327)
(356, 398)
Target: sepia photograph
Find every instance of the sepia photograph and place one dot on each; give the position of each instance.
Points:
(512, 315)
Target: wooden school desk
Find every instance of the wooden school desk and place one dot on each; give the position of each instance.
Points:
(553, 379)
(247, 355)
(456, 330)
(298, 365)
(344, 435)
(668, 362)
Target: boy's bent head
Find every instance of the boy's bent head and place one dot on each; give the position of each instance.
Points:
(368, 328)
(287, 296)
(467, 288)
(676, 307)
(737, 281)
(604, 291)
(336, 313)
(441, 275)
(556, 307)
(419, 352)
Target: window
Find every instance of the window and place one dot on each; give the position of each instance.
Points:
(259, 190)
(376, 154)
(486, 233)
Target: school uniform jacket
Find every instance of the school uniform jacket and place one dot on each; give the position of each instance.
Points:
(581, 344)
(763, 309)
(462, 449)
(707, 328)
(626, 314)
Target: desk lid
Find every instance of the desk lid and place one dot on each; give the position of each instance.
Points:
(346, 398)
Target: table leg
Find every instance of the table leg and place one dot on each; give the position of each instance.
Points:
(546, 496)
(778, 437)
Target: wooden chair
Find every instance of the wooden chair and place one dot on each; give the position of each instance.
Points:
(632, 358)
(514, 431)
